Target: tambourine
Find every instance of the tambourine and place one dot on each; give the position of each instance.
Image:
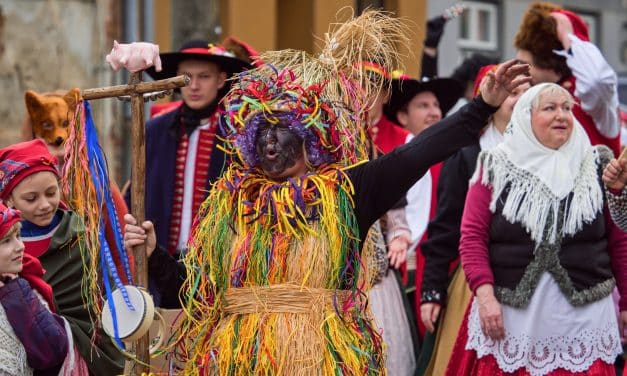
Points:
(133, 325)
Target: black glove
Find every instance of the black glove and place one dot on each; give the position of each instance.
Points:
(435, 28)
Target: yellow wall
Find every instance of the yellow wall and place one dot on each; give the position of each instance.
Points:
(415, 11)
(163, 20)
(298, 24)
(253, 21)
(325, 12)
(295, 24)
(301, 24)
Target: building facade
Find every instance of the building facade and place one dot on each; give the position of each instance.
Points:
(489, 27)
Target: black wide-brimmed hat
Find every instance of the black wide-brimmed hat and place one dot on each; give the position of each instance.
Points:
(198, 50)
(404, 88)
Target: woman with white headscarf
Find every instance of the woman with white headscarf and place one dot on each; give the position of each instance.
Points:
(539, 250)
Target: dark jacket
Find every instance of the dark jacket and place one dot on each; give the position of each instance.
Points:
(65, 269)
(580, 264)
(41, 332)
(442, 245)
(162, 140)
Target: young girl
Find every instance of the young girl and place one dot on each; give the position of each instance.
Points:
(29, 183)
(32, 339)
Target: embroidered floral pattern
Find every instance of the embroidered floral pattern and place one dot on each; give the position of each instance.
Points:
(540, 356)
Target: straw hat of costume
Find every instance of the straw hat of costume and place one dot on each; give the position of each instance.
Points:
(405, 88)
(538, 35)
(323, 99)
(198, 50)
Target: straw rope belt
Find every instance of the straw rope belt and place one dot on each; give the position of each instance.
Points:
(281, 298)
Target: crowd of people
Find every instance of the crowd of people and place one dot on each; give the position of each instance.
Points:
(332, 215)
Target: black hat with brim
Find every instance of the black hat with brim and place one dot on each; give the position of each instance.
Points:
(198, 50)
(446, 90)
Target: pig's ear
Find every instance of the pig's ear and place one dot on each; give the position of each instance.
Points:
(115, 43)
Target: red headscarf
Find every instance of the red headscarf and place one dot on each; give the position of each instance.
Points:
(8, 218)
(32, 271)
(20, 160)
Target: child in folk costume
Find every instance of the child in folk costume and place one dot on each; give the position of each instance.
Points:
(275, 280)
(32, 338)
(29, 183)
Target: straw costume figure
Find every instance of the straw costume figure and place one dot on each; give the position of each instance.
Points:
(279, 259)
(275, 281)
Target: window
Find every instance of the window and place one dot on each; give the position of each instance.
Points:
(477, 26)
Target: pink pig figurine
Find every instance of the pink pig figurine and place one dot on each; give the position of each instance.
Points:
(134, 56)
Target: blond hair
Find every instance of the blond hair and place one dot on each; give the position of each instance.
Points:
(551, 89)
(15, 228)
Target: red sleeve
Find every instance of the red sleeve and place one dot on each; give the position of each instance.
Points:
(475, 230)
(617, 248)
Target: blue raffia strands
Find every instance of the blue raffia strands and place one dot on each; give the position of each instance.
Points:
(100, 178)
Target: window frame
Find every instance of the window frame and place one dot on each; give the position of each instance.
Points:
(472, 9)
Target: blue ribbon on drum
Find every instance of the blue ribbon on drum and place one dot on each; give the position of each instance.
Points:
(100, 177)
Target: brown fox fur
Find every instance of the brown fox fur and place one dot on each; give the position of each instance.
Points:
(48, 116)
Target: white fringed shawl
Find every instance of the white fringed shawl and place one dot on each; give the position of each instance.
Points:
(538, 178)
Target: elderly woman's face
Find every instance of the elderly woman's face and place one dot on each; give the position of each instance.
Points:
(280, 151)
(552, 119)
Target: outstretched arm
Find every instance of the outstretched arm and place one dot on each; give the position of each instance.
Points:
(595, 79)
(380, 183)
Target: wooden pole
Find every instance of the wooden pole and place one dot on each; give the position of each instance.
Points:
(137, 88)
(138, 183)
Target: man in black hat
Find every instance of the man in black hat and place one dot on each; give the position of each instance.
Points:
(183, 154)
(417, 104)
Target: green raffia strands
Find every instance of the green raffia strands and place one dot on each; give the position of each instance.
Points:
(252, 232)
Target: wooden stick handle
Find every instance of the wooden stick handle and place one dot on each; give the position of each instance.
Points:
(140, 87)
(138, 184)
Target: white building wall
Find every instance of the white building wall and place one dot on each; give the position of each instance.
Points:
(611, 28)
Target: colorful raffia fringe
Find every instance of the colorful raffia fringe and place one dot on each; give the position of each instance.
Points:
(299, 236)
(257, 232)
(85, 186)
